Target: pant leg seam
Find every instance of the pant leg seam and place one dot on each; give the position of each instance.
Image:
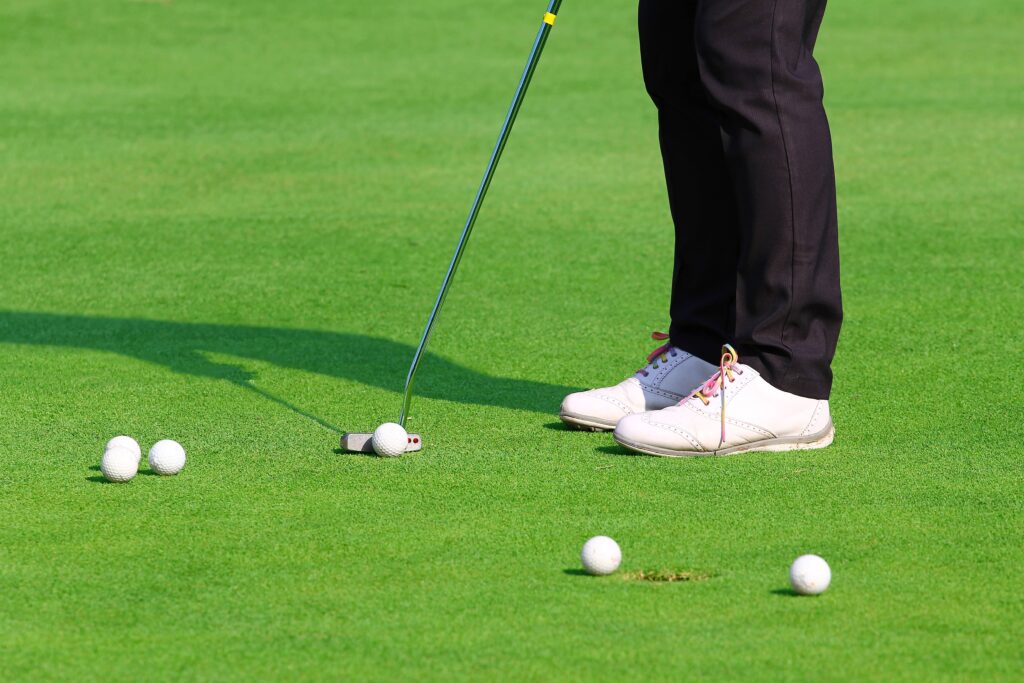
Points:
(789, 181)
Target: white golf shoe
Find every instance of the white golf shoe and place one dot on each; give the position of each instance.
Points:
(670, 375)
(733, 412)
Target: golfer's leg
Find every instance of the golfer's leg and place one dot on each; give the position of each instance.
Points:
(756, 65)
(700, 194)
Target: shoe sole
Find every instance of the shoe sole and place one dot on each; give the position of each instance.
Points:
(586, 424)
(820, 439)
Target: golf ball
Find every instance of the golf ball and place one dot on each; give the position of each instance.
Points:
(600, 556)
(125, 442)
(809, 575)
(167, 457)
(119, 464)
(390, 440)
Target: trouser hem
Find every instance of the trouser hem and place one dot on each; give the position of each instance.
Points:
(805, 387)
(707, 347)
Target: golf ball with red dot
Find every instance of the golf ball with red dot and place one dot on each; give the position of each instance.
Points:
(600, 556)
(810, 575)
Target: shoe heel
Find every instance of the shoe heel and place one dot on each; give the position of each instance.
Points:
(824, 441)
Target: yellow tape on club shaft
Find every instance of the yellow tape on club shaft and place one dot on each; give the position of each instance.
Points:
(549, 18)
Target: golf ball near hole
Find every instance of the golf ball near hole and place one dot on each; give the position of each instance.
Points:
(600, 556)
(809, 575)
(125, 442)
(167, 457)
(390, 440)
(119, 464)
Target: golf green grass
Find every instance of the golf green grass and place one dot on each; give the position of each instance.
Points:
(225, 223)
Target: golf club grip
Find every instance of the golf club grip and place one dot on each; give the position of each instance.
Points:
(506, 129)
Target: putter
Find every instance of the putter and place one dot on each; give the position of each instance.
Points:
(361, 442)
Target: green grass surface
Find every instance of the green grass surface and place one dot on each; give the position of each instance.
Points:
(225, 222)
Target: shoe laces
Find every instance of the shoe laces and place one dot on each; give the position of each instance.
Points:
(716, 385)
(661, 354)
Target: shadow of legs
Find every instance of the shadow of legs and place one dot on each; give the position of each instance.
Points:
(369, 360)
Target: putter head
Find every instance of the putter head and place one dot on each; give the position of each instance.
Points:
(359, 442)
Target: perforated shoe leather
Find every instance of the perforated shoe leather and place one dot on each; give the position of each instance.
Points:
(670, 375)
(758, 417)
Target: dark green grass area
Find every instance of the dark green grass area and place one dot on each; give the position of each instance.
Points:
(225, 223)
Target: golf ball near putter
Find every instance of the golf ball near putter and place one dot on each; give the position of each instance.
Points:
(167, 457)
(119, 464)
(390, 440)
(809, 575)
(125, 442)
(601, 556)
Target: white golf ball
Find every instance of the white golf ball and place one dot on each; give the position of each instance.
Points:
(809, 575)
(167, 457)
(125, 442)
(600, 556)
(119, 464)
(390, 440)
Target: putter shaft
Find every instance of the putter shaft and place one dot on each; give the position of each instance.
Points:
(506, 129)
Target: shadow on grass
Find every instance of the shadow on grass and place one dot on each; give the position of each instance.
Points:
(616, 449)
(786, 592)
(103, 480)
(563, 427)
(358, 454)
(373, 361)
(575, 571)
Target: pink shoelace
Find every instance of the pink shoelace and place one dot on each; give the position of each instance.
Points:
(716, 384)
(661, 353)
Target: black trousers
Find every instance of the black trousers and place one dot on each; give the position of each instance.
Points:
(748, 162)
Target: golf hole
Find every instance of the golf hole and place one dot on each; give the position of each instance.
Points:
(666, 576)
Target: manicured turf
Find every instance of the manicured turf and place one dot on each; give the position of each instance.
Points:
(225, 223)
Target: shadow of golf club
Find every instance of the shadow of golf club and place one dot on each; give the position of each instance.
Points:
(373, 361)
